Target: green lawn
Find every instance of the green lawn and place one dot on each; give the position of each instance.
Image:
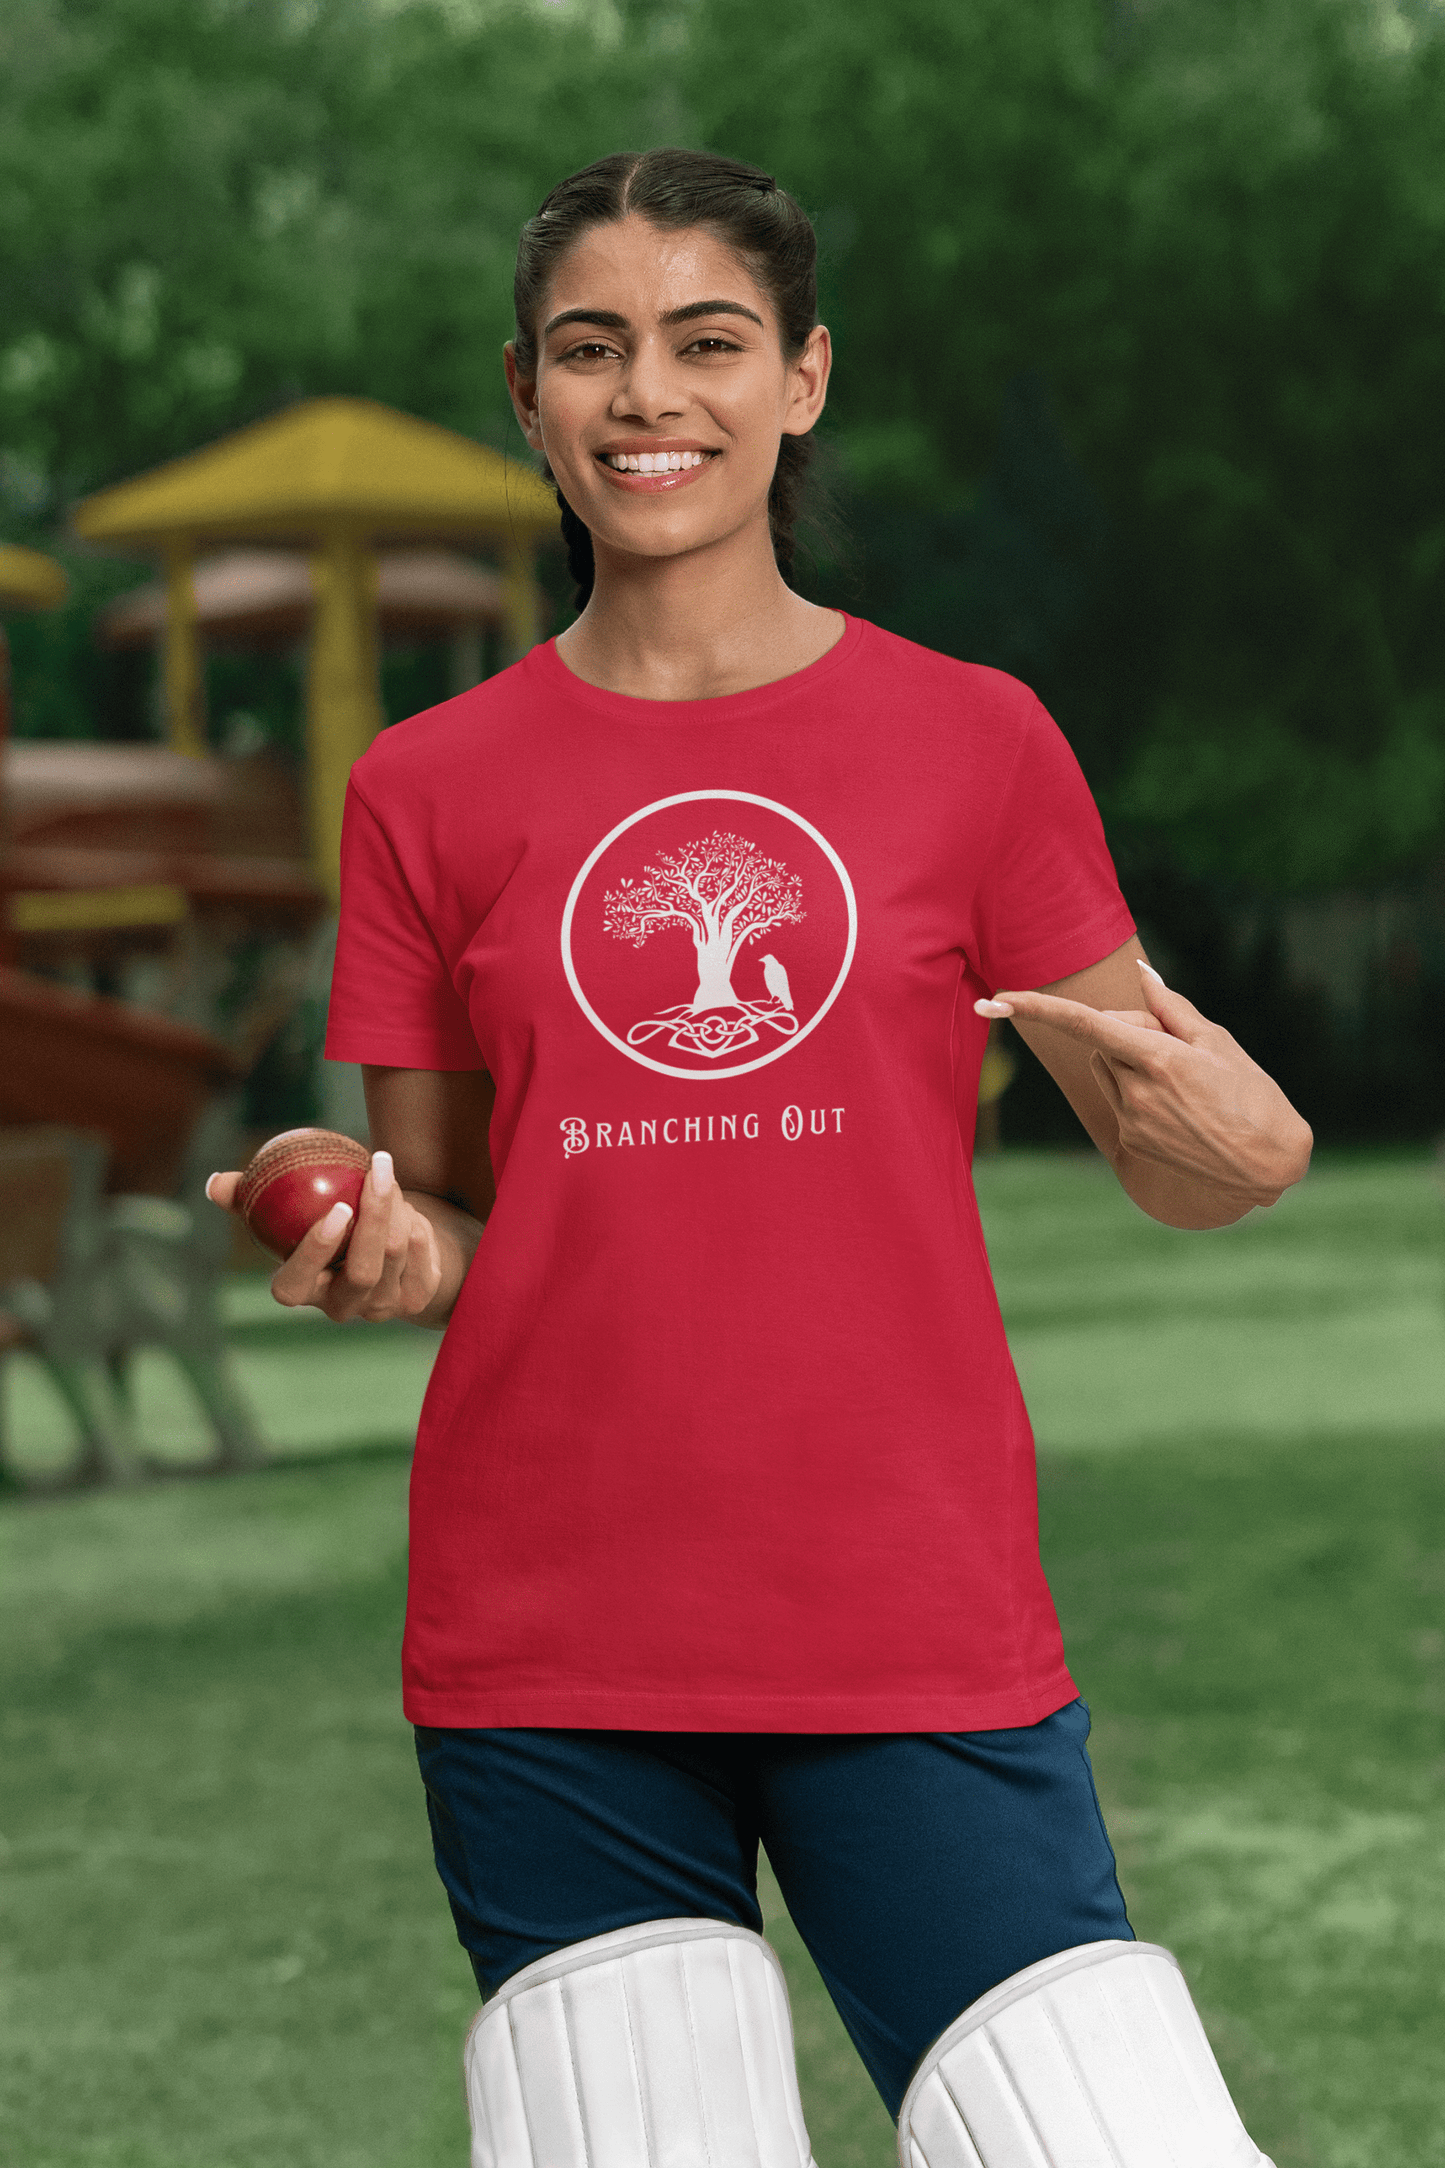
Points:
(222, 1945)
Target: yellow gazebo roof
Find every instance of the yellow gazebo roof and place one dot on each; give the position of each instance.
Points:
(29, 581)
(322, 464)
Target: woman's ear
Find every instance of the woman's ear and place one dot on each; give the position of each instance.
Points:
(524, 398)
(808, 382)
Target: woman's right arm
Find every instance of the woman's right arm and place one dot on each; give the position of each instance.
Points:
(423, 1205)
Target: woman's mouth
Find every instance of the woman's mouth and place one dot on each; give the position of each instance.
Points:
(650, 474)
(652, 462)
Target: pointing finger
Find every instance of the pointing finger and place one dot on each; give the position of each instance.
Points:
(1141, 1019)
(221, 1189)
(1129, 1043)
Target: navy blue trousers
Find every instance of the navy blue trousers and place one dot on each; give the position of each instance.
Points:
(919, 1870)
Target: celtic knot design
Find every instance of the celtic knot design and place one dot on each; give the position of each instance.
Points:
(714, 1032)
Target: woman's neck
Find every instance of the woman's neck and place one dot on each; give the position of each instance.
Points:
(693, 627)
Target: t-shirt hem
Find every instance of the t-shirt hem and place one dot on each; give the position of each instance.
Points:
(583, 1709)
(399, 1053)
(1088, 944)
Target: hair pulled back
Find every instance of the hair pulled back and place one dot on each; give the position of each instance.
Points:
(674, 189)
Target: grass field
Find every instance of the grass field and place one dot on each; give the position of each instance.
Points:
(222, 1945)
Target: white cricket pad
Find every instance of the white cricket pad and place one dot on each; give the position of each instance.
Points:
(668, 2045)
(1093, 2059)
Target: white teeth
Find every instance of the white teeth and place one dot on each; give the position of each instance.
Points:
(653, 462)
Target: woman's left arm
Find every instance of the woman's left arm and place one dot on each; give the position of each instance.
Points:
(1196, 1132)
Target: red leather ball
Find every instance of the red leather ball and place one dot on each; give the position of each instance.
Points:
(293, 1182)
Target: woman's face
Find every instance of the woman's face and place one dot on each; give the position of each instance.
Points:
(662, 391)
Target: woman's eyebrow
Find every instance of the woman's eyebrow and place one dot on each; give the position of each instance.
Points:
(711, 308)
(610, 320)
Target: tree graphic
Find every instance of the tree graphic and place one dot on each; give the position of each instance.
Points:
(724, 892)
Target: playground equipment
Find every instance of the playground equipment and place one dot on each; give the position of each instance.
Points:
(104, 841)
(112, 1114)
(248, 599)
(339, 477)
(87, 1279)
(111, 1119)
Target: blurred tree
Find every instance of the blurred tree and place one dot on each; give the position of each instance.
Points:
(1138, 307)
(1212, 238)
(205, 212)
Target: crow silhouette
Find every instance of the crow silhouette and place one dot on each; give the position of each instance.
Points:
(775, 978)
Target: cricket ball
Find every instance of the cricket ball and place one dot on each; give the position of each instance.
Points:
(293, 1182)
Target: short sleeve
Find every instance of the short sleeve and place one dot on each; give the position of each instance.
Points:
(393, 1001)
(1048, 901)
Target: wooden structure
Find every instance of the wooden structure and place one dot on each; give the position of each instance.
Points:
(114, 848)
(112, 1117)
(341, 477)
(112, 1114)
(87, 1279)
(265, 599)
(134, 1077)
(105, 838)
(50, 1270)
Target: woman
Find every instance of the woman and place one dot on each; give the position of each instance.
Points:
(723, 1514)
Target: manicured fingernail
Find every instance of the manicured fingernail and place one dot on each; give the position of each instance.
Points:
(210, 1178)
(383, 1174)
(1151, 971)
(336, 1219)
(993, 1008)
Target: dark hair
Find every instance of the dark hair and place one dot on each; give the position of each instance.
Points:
(672, 188)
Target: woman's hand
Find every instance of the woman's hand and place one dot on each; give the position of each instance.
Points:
(1202, 1133)
(393, 1267)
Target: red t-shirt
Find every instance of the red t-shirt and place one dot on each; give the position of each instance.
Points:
(724, 1433)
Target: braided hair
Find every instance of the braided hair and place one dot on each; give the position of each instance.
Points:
(676, 189)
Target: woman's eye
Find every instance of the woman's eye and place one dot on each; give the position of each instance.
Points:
(712, 346)
(588, 350)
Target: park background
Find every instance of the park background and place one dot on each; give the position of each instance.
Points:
(1138, 312)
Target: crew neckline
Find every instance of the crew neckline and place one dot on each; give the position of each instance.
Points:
(716, 707)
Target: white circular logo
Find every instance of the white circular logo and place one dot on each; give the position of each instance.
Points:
(709, 933)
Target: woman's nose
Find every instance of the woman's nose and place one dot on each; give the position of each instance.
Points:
(648, 390)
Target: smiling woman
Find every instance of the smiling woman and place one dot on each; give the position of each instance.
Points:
(723, 1511)
(668, 306)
